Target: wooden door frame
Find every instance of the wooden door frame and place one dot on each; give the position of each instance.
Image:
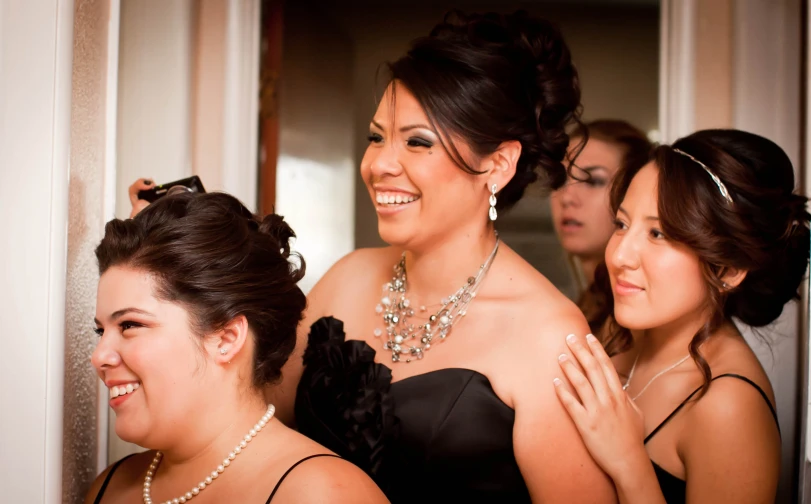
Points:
(270, 73)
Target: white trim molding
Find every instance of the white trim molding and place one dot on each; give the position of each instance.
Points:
(241, 101)
(57, 264)
(677, 69)
(109, 197)
(111, 109)
(35, 100)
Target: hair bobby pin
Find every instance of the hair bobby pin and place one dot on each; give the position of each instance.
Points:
(721, 187)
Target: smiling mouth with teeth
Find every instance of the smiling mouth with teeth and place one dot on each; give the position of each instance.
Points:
(121, 390)
(395, 198)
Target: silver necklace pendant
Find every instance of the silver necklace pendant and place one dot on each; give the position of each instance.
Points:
(407, 341)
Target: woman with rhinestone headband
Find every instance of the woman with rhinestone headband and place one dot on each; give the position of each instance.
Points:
(426, 360)
(709, 235)
(196, 313)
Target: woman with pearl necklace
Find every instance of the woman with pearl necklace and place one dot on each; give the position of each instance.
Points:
(196, 313)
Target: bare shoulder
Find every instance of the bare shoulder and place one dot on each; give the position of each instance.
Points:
(328, 479)
(361, 260)
(128, 472)
(528, 284)
(737, 406)
(352, 272)
(733, 355)
(733, 407)
(731, 445)
(536, 318)
(544, 315)
(740, 387)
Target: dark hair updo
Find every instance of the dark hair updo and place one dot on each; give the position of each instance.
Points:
(491, 78)
(212, 255)
(764, 231)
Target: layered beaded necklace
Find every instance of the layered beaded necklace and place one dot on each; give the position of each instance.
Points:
(407, 341)
(194, 492)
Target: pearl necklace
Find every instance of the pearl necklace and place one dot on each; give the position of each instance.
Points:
(657, 375)
(214, 474)
(396, 308)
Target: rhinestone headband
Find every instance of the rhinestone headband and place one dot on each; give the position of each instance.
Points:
(721, 187)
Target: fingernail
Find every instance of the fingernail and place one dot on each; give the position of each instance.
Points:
(590, 338)
(570, 338)
(557, 382)
(148, 182)
(562, 357)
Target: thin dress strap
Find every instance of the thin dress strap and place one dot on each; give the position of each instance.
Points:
(684, 403)
(276, 488)
(108, 478)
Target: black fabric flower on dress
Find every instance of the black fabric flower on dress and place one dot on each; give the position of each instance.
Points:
(343, 399)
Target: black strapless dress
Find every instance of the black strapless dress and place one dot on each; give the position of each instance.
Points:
(443, 436)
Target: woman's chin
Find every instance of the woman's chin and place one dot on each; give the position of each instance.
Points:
(393, 235)
(629, 321)
(131, 433)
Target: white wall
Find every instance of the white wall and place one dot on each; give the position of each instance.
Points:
(154, 98)
(240, 99)
(208, 85)
(35, 91)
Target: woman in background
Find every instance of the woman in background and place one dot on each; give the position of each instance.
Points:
(581, 210)
(707, 234)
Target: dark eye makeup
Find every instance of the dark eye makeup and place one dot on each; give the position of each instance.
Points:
(419, 142)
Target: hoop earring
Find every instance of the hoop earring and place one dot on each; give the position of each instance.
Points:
(493, 201)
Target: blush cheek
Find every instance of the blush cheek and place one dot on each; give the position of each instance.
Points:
(155, 359)
(677, 287)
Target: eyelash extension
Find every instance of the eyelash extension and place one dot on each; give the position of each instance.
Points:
(419, 142)
(99, 331)
(374, 137)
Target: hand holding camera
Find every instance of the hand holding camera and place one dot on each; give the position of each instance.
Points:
(144, 191)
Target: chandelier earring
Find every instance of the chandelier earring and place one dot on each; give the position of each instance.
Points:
(493, 201)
